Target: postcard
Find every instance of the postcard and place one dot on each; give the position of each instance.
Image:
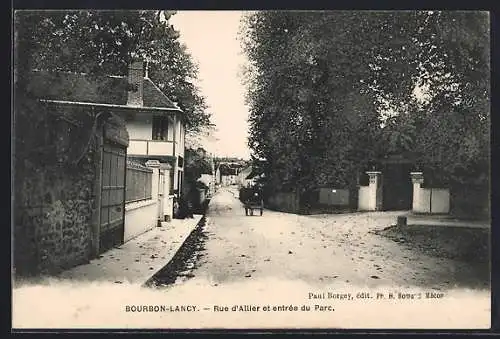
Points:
(251, 169)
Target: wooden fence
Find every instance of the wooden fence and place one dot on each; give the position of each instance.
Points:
(139, 182)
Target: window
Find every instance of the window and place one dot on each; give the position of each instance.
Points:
(160, 128)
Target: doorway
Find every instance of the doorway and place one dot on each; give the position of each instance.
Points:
(397, 187)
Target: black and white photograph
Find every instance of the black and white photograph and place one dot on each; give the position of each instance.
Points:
(251, 169)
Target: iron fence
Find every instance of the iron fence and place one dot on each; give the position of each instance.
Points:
(139, 182)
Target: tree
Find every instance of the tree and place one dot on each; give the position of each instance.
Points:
(104, 42)
(322, 84)
(458, 108)
(302, 104)
(196, 163)
(448, 126)
(97, 43)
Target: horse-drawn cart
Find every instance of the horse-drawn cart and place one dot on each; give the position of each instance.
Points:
(254, 205)
(252, 200)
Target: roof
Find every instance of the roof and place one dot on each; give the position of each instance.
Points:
(87, 89)
(246, 171)
(257, 170)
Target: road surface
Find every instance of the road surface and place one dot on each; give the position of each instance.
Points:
(318, 250)
(279, 270)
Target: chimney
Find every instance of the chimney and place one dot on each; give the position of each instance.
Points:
(135, 81)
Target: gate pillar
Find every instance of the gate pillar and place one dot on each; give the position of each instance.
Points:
(374, 202)
(154, 165)
(417, 178)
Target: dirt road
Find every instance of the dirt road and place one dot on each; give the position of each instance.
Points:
(319, 250)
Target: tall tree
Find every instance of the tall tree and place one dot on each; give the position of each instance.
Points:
(451, 70)
(104, 42)
(320, 84)
(302, 103)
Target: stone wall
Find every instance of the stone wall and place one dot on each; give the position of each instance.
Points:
(283, 202)
(364, 196)
(431, 200)
(470, 201)
(54, 201)
(53, 216)
(333, 196)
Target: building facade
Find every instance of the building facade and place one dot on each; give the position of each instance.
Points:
(130, 137)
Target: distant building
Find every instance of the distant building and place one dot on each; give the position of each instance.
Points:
(244, 177)
(227, 173)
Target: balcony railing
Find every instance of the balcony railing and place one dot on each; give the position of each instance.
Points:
(151, 147)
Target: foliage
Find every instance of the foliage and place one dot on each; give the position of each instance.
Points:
(104, 42)
(449, 127)
(196, 163)
(331, 91)
(302, 104)
(201, 185)
(455, 138)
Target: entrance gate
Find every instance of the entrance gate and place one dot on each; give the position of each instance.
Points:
(112, 207)
(397, 188)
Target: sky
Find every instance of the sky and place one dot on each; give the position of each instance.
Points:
(211, 39)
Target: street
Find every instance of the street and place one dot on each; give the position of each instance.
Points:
(136, 141)
(318, 250)
(278, 271)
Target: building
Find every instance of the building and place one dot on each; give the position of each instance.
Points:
(227, 173)
(69, 210)
(208, 179)
(156, 129)
(244, 177)
(155, 125)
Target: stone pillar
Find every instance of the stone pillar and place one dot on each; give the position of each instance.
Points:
(374, 192)
(155, 166)
(417, 178)
(155, 180)
(167, 199)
